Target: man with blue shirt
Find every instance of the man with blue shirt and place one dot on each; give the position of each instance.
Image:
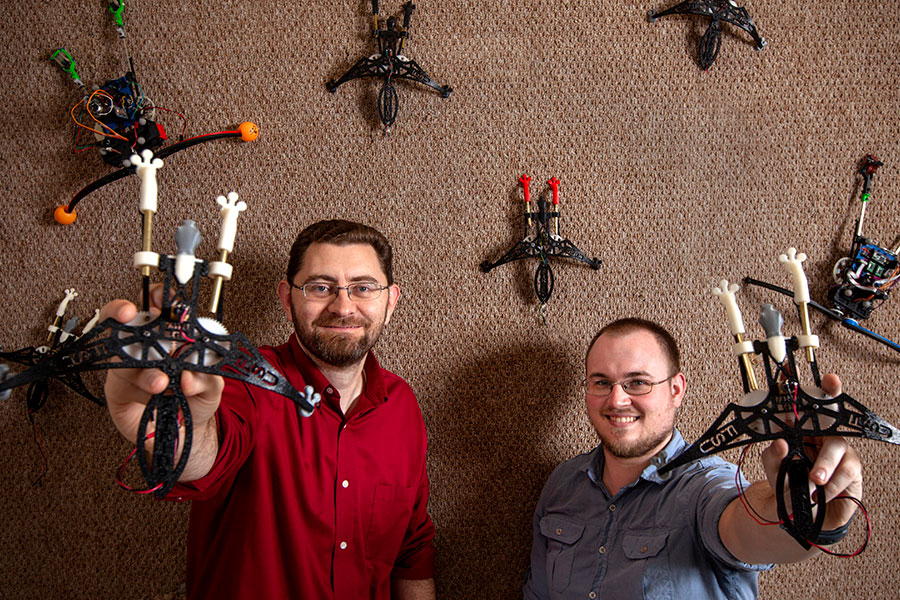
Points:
(607, 525)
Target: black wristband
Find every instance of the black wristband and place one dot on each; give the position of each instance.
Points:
(826, 538)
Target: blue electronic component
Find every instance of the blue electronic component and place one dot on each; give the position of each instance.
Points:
(865, 278)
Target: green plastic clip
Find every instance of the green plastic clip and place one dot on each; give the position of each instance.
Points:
(67, 64)
(117, 8)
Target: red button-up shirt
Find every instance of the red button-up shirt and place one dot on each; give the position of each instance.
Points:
(324, 507)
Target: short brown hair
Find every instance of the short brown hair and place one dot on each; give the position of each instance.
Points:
(341, 233)
(665, 339)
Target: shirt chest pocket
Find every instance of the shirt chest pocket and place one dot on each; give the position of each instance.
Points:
(648, 552)
(562, 536)
(644, 545)
(392, 508)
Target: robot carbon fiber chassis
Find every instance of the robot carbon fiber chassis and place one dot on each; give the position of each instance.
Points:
(176, 340)
(784, 408)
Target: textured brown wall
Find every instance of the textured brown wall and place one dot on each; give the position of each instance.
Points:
(673, 176)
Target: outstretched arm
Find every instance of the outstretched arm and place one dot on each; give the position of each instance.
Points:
(836, 467)
(413, 589)
(129, 390)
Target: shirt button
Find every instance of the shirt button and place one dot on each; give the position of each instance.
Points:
(328, 390)
(592, 595)
(343, 545)
(602, 550)
(559, 531)
(644, 550)
(612, 507)
(345, 483)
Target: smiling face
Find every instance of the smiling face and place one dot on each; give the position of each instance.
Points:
(632, 426)
(339, 330)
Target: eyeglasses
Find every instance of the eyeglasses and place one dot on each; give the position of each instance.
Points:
(323, 290)
(633, 387)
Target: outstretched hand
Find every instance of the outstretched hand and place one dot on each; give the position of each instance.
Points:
(129, 390)
(836, 467)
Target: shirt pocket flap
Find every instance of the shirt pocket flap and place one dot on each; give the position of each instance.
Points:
(561, 529)
(644, 545)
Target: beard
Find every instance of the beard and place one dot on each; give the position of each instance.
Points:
(634, 449)
(334, 349)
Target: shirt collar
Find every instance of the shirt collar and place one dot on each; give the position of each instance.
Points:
(374, 391)
(675, 446)
(594, 466)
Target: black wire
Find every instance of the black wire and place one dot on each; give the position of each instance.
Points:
(834, 315)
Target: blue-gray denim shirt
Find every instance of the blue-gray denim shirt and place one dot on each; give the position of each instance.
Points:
(656, 538)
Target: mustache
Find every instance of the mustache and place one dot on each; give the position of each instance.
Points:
(340, 322)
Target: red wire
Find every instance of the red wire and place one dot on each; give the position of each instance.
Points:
(183, 320)
(754, 514)
(865, 542)
(121, 470)
(760, 521)
(124, 485)
(183, 118)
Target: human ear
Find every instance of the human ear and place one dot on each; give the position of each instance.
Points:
(393, 297)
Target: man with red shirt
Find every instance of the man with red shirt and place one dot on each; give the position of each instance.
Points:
(330, 506)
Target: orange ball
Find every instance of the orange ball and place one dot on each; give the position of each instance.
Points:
(64, 217)
(249, 131)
